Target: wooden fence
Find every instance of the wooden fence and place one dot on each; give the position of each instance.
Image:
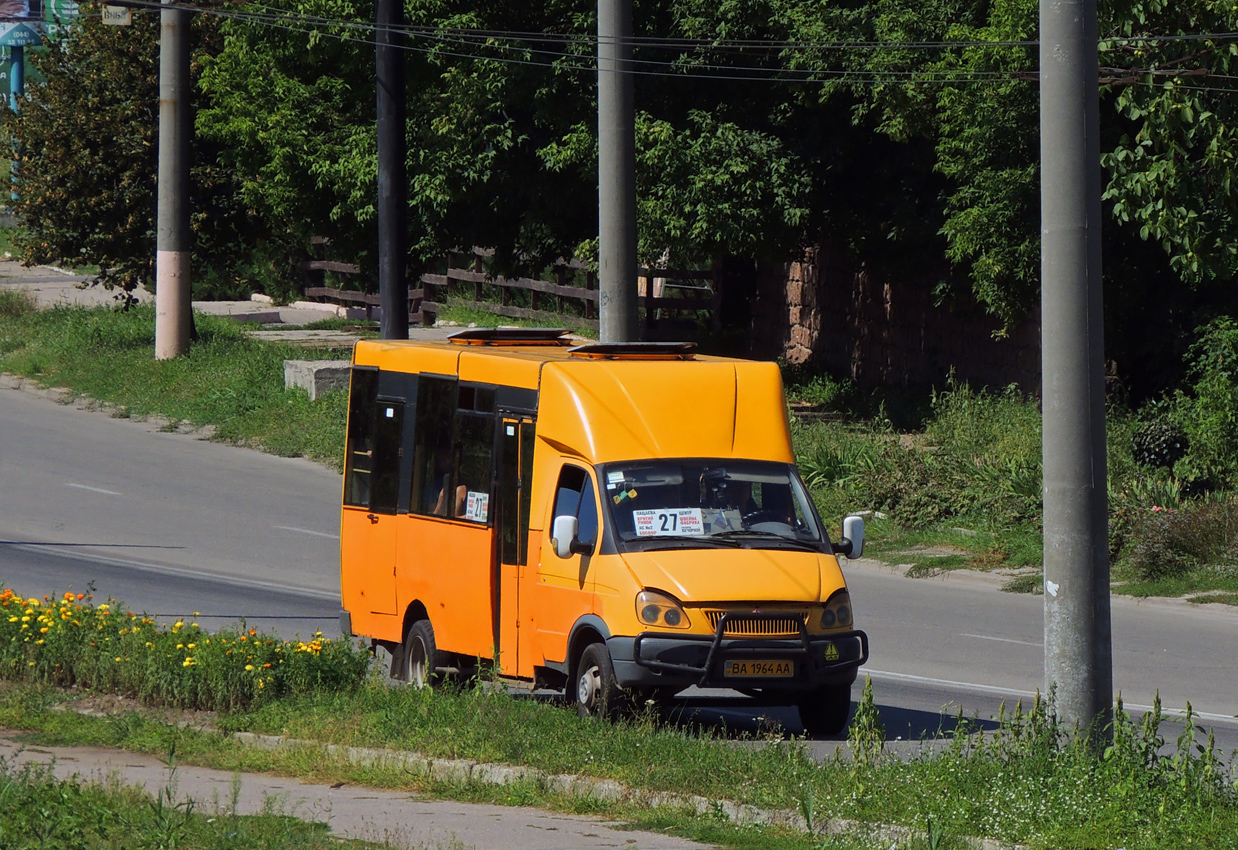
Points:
(466, 284)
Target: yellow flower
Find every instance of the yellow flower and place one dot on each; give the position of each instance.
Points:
(12, 619)
(180, 646)
(189, 662)
(103, 606)
(43, 630)
(249, 667)
(118, 658)
(190, 646)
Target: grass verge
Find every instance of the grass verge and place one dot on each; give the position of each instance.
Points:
(1028, 783)
(228, 381)
(40, 811)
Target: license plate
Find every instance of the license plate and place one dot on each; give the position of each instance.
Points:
(757, 669)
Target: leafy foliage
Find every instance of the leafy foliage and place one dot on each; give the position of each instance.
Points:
(88, 144)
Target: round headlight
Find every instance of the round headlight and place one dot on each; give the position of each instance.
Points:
(672, 617)
(827, 618)
(844, 616)
(649, 614)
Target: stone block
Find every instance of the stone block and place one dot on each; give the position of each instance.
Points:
(316, 376)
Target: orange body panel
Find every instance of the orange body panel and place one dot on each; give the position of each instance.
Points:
(367, 561)
(447, 566)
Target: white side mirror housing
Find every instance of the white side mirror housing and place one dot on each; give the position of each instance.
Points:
(563, 534)
(853, 531)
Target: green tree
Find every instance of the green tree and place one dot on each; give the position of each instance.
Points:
(87, 142)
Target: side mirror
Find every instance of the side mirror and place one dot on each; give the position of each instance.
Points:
(852, 544)
(564, 535)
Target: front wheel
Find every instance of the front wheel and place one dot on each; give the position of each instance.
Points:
(825, 711)
(597, 692)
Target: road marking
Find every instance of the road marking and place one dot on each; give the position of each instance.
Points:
(1012, 692)
(1003, 640)
(92, 489)
(306, 531)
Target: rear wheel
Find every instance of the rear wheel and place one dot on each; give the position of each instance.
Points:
(825, 711)
(421, 656)
(597, 692)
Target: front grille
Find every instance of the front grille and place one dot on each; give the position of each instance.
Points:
(762, 624)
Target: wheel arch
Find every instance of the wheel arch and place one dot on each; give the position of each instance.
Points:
(588, 629)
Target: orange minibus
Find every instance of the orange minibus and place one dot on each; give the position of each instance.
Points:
(616, 521)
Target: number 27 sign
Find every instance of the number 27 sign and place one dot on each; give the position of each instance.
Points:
(662, 522)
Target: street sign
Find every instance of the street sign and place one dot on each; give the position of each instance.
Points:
(20, 34)
(117, 16)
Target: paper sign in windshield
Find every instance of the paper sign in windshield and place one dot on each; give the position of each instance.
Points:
(664, 522)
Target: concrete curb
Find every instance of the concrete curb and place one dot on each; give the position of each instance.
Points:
(463, 771)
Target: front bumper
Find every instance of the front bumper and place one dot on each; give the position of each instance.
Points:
(662, 660)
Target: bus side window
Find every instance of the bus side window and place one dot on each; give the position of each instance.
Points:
(359, 455)
(574, 497)
(434, 469)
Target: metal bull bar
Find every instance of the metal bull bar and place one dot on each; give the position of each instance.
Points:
(802, 652)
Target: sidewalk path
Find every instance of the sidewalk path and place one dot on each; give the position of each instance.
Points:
(399, 819)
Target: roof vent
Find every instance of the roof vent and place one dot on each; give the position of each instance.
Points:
(512, 336)
(635, 350)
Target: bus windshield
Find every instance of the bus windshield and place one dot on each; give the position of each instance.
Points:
(656, 504)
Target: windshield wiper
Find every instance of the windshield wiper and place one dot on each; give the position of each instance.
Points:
(738, 534)
(710, 539)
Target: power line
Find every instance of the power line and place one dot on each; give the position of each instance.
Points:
(457, 43)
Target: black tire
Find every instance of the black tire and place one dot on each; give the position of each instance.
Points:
(421, 656)
(596, 693)
(826, 711)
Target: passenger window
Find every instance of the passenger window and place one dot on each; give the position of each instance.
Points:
(388, 431)
(574, 497)
(475, 468)
(359, 454)
(434, 467)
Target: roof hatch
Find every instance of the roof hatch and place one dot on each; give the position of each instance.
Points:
(512, 336)
(635, 350)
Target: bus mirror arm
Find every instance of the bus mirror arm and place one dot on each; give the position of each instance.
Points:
(564, 538)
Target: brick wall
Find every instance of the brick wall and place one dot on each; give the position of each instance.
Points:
(817, 309)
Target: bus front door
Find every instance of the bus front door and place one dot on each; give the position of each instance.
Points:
(516, 436)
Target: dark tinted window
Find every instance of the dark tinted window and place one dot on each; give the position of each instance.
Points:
(433, 464)
(388, 428)
(359, 452)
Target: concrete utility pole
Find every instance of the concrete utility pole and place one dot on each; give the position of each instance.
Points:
(392, 188)
(1078, 649)
(617, 302)
(174, 241)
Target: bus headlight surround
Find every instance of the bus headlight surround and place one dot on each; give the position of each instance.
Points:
(837, 613)
(654, 608)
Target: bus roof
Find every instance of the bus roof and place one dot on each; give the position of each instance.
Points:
(623, 406)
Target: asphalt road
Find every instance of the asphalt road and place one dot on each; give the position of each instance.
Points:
(172, 525)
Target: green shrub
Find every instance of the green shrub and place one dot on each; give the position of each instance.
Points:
(1208, 410)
